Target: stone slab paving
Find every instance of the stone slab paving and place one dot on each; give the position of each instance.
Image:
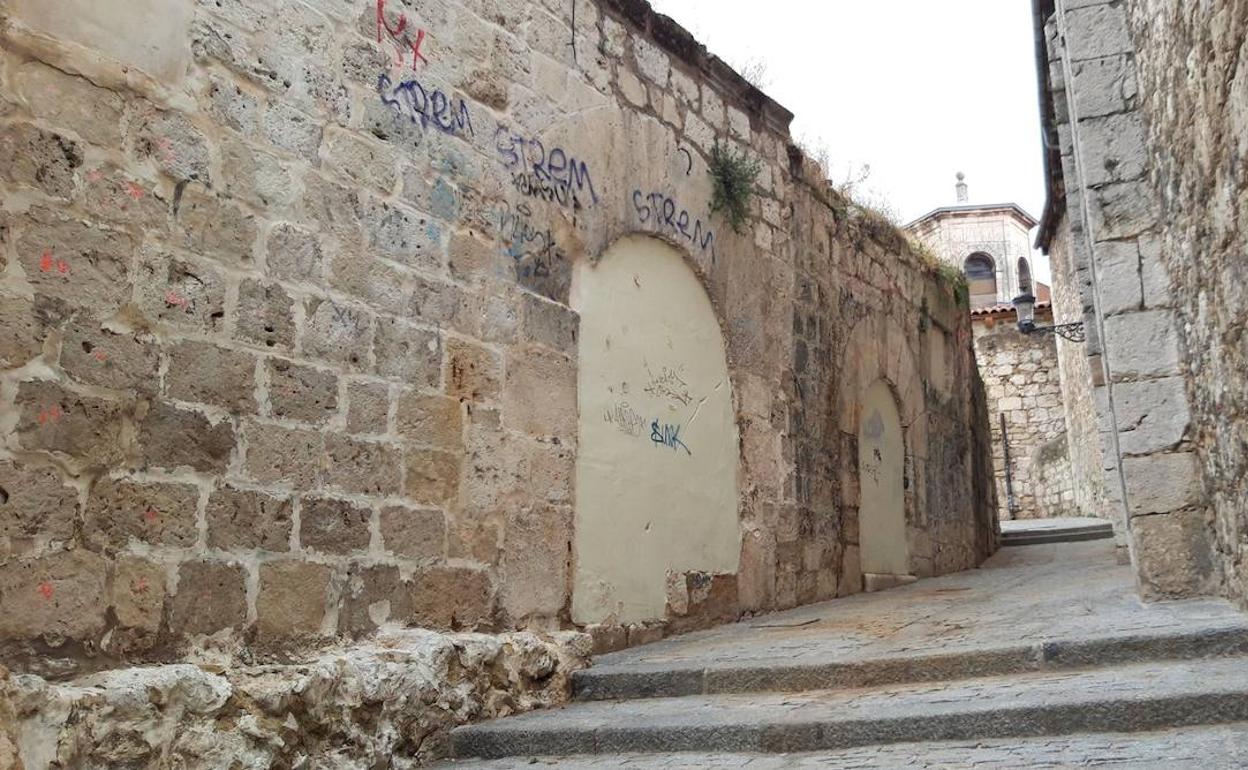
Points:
(1224, 746)
(1036, 601)
(1060, 530)
(1118, 699)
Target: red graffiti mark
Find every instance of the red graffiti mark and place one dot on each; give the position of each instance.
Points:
(151, 514)
(50, 414)
(173, 299)
(100, 356)
(46, 262)
(135, 191)
(45, 590)
(397, 37)
(62, 267)
(140, 586)
(94, 175)
(166, 149)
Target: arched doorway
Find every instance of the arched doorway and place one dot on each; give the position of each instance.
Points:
(657, 445)
(881, 472)
(981, 279)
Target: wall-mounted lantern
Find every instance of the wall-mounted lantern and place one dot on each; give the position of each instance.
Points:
(1025, 307)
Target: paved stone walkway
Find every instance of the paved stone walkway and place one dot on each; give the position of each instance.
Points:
(1022, 596)
(1224, 746)
(1037, 659)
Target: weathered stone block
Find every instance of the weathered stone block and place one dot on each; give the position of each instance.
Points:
(1142, 344)
(537, 552)
(302, 393)
(292, 131)
(1175, 555)
(263, 179)
(211, 596)
(283, 455)
(183, 294)
(1161, 483)
(432, 476)
(91, 112)
(332, 207)
(215, 227)
(209, 374)
(293, 253)
(170, 437)
(78, 263)
(291, 601)
(339, 333)
(403, 235)
(61, 595)
(265, 315)
(540, 395)
(408, 353)
(96, 356)
(414, 533)
(119, 511)
(1153, 416)
(362, 467)
(551, 324)
(373, 596)
(39, 159)
(173, 142)
(333, 526)
(137, 593)
(242, 519)
(368, 407)
(456, 598)
(34, 503)
(54, 419)
(432, 420)
(369, 164)
(23, 327)
(473, 373)
(380, 285)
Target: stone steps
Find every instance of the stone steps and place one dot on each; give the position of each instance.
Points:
(1046, 531)
(1216, 638)
(1124, 698)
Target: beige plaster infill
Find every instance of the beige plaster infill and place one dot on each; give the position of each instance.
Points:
(656, 488)
(881, 466)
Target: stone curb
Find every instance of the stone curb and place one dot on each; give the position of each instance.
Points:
(633, 682)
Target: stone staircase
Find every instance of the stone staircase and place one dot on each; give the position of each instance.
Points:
(1044, 655)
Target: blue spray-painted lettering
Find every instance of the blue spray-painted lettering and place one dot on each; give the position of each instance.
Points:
(524, 156)
(661, 212)
(667, 435)
(435, 108)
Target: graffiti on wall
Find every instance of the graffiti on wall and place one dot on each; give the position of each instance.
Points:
(660, 212)
(667, 435)
(412, 100)
(625, 419)
(570, 179)
(541, 264)
(400, 36)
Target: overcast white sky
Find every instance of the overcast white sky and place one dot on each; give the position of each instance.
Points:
(917, 89)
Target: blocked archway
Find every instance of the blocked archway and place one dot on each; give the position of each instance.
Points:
(657, 447)
(881, 470)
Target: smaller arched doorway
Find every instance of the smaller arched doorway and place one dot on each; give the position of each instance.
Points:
(881, 471)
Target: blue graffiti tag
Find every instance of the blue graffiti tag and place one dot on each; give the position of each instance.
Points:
(435, 108)
(664, 214)
(667, 435)
(558, 171)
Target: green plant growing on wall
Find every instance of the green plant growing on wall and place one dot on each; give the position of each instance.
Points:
(732, 178)
(957, 279)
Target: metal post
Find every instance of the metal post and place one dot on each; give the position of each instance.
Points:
(1011, 501)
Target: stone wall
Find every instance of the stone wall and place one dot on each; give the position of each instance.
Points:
(288, 351)
(1193, 80)
(1100, 191)
(1083, 441)
(1021, 376)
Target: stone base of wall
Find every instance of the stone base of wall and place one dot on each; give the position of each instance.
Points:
(388, 703)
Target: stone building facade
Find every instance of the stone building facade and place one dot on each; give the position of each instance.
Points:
(1142, 113)
(990, 244)
(324, 318)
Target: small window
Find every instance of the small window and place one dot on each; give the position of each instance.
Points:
(1024, 277)
(981, 277)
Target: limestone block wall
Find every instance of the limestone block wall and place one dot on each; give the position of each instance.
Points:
(1023, 383)
(1193, 81)
(1134, 349)
(288, 345)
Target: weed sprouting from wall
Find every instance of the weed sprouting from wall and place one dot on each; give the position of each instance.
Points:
(732, 178)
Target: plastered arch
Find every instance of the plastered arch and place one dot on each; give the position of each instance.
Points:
(657, 459)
